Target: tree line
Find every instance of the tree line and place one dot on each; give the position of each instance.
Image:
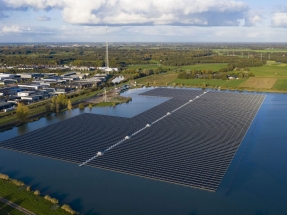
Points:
(122, 57)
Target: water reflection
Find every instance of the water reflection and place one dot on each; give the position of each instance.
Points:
(22, 129)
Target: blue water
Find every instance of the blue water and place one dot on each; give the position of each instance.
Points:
(254, 184)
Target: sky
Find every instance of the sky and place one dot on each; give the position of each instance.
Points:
(143, 20)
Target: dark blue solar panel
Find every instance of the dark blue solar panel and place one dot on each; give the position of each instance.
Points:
(193, 146)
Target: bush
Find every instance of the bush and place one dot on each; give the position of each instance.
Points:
(4, 177)
(53, 200)
(68, 209)
(37, 192)
(17, 182)
(47, 197)
(81, 106)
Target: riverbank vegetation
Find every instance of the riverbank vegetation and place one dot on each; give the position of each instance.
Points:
(113, 102)
(16, 191)
(46, 107)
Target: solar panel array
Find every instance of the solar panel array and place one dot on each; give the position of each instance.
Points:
(193, 146)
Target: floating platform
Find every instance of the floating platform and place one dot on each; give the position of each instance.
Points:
(192, 146)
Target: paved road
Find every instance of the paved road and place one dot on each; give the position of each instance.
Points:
(17, 207)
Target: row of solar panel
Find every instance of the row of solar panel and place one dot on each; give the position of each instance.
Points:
(193, 146)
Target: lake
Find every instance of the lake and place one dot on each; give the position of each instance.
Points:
(254, 184)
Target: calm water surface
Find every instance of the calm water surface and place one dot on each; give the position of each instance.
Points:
(255, 183)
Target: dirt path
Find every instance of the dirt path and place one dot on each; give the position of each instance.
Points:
(17, 207)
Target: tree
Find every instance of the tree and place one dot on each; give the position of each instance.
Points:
(22, 112)
(69, 106)
(59, 102)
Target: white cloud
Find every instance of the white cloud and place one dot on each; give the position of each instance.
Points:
(253, 18)
(279, 19)
(142, 12)
(14, 29)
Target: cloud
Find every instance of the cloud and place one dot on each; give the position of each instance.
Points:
(253, 18)
(279, 19)
(146, 12)
(43, 18)
(14, 29)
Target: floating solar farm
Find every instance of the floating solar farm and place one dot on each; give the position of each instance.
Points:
(188, 140)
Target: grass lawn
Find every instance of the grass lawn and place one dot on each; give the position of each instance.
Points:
(199, 82)
(105, 104)
(271, 70)
(281, 84)
(160, 79)
(28, 200)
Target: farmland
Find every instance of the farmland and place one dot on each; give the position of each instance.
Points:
(271, 77)
(270, 70)
(259, 83)
(281, 84)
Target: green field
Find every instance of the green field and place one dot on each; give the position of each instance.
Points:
(271, 71)
(200, 82)
(281, 84)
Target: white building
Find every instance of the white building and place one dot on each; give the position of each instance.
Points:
(25, 93)
(108, 69)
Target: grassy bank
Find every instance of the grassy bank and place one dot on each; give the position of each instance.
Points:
(114, 101)
(27, 199)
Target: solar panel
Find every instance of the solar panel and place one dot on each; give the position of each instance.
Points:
(189, 140)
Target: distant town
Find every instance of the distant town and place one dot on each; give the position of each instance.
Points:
(32, 87)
